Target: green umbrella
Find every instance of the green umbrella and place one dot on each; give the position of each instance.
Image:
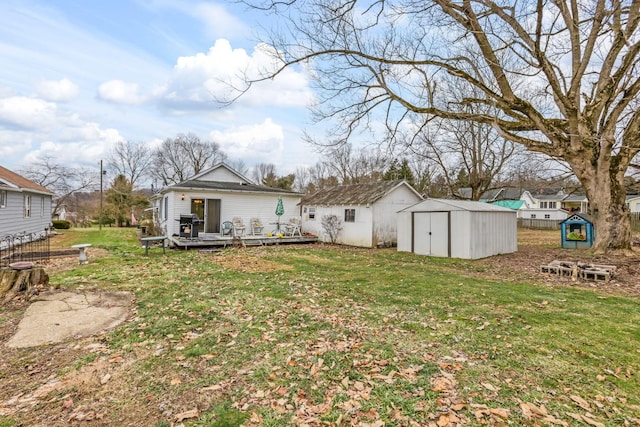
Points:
(279, 207)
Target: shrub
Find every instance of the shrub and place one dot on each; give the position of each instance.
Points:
(332, 226)
(61, 224)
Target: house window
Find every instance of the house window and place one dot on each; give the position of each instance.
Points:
(312, 213)
(27, 206)
(349, 215)
(547, 216)
(3, 198)
(533, 216)
(41, 207)
(543, 205)
(552, 205)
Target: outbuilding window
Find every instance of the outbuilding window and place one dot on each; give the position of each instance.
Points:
(312, 213)
(27, 206)
(3, 198)
(349, 215)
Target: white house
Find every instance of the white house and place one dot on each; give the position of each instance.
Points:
(457, 229)
(220, 194)
(25, 207)
(633, 203)
(368, 211)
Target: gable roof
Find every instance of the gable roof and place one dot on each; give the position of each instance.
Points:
(217, 166)
(355, 194)
(10, 179)
(195, 184)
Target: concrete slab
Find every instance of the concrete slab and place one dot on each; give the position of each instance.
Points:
(55, 316)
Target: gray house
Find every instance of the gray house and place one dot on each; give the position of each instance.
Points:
(25, 207)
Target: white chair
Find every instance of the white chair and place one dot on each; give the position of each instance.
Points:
(293, 227)
(238, 226)
(256, 227)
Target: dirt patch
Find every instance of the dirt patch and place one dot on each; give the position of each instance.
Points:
(246, 262)
(537, 248)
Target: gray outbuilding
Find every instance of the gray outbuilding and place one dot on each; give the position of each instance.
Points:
(457, 229)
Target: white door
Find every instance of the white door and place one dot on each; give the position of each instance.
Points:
(431, 233)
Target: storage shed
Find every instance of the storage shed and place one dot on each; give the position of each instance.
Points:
(457, 229)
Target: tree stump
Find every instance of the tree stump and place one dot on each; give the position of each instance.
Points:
(21, 277)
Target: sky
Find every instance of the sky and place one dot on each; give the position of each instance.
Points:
(76, 77)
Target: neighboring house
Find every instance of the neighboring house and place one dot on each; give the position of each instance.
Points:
(540, 213)
(633, 203)
(575, 203)
(220, 194)
(25, 207)
(368, 211)
(457, 229)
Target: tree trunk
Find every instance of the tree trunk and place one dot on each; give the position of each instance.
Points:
(13, 281)
(607, 202)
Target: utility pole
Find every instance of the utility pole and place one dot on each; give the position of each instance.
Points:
(100, 220)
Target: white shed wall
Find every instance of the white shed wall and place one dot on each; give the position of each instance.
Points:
(404, 231)
(357, 233)
(385, 213)
(634, 205)
(474, 234)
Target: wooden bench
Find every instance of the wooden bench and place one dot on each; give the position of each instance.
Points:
(148, 240)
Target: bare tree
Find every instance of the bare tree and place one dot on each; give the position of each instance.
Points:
(354, 166)
(131, 160)
(562, 76)
(184, 156)
(239, 166)
(264, 173)
(62, 180)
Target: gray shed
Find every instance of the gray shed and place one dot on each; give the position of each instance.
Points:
(457, 229)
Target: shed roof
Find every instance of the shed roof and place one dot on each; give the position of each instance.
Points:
(354, 194)
(10, 179)
(447, 205)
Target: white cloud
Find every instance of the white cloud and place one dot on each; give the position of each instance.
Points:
(218, 22)
(258, 143)
(60, 90)
(27, 113)
(202, 80)
(120, 92)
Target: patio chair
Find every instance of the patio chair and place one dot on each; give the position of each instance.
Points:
(238, 226)
(256, 227)
(227, 228)
(292, 227)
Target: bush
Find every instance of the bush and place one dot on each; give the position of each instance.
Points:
(61, 224)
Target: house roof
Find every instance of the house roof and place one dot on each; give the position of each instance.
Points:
(354, 194)
(447, 205)
(228, 186)
(511, 204)
(10, 179)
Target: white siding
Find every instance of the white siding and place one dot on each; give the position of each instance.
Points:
(373, 224)
(385, 213)
(634, 205)
(233, 204)
(556, 214)
(221, 174)
(404, 231)
(12, 220)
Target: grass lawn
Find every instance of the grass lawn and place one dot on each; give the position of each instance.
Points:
(321, 335)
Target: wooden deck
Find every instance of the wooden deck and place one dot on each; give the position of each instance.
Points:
(212, 240)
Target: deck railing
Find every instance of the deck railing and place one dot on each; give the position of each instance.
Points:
(25, 247)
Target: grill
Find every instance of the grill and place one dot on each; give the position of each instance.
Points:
(189, 225)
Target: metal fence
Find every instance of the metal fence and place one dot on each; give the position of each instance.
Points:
(25, 247)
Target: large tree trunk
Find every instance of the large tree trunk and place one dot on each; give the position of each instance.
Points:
(607, 202)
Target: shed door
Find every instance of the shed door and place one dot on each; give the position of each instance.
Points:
(431, 233)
